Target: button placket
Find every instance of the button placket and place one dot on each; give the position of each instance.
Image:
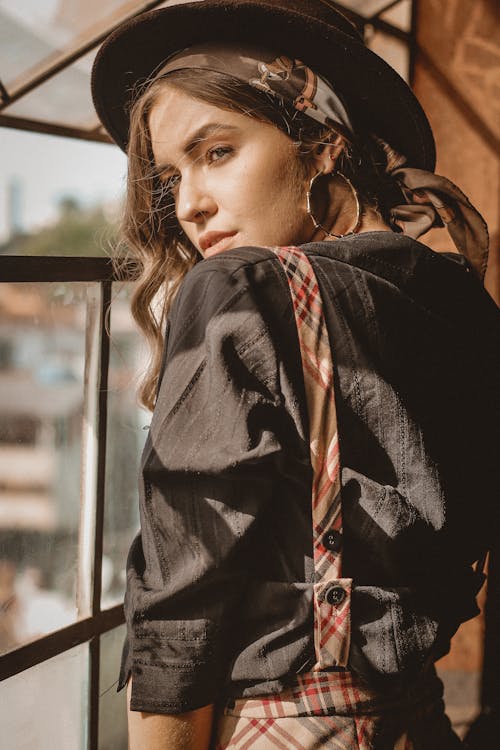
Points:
(332, 622)
(332, 614)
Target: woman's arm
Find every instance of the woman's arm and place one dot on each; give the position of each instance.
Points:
(227, 427)
(189, 731)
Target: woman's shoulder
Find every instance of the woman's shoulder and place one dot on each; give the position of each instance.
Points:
(229, 263)
(374, 251)
(442, 282)
(382, 251)
(216, 284)
(232, 308)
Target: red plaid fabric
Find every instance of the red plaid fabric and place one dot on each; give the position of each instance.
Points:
(332, 592)
(315, 694)
(324, 708)
(304, 733)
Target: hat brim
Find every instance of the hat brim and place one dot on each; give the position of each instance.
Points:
(377, 98)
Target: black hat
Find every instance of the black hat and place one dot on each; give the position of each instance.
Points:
(377, 98)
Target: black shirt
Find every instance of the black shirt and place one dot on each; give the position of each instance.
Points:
(219, 592)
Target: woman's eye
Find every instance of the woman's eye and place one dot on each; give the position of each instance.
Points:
(218, 153)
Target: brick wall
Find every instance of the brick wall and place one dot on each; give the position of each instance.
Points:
(457, 79)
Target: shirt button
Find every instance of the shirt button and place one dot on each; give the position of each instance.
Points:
(332, 540)
(335, 595)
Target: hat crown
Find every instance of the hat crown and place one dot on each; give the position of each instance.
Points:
(320, 10)
(313, 31)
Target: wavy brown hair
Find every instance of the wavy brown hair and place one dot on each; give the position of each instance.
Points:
(159, 253)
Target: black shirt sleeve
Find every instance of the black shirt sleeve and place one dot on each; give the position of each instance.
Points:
(208, 471)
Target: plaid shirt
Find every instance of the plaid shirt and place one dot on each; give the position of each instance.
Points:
(221, 580)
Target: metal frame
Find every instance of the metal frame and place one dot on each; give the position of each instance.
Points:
(98, 508)
(18, 268)
(90, 628)
(59, 641)
(34, 126)
(375, 20)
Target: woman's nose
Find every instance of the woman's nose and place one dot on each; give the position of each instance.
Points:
(194, 203)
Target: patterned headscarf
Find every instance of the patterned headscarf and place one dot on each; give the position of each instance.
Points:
(286, 80)
(431, 200)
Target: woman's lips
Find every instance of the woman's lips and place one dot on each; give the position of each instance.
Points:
(216, 242)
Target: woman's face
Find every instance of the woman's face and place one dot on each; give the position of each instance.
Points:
(234, 180)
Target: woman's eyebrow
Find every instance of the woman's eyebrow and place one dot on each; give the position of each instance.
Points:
(204, 132)
(194, 140)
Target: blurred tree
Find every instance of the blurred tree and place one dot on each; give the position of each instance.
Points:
(78, 231)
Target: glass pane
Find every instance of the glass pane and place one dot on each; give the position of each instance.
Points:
(20, 47)
(45, 707)
(34, 33)
(399, 15)
(462, 696)
(366, 8)
(35, 36)
(55, 204)
(42, 358)
(393, 50)
(125, 439)
(64, 99)
(112, 705)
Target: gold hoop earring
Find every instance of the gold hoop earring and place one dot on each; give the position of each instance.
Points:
(317, 225)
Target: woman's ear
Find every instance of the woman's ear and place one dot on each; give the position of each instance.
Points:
(326, 154)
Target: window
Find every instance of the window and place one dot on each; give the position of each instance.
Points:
(70, 439)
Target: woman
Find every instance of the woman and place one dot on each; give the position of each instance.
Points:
(321, 387)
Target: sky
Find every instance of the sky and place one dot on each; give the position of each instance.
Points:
(49, 167)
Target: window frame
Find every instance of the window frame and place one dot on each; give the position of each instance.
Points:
(19, 269)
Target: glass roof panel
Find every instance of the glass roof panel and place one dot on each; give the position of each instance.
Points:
(366, 8)
(399, 15)
(64, 99)
(393, 50)
(38, 33)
